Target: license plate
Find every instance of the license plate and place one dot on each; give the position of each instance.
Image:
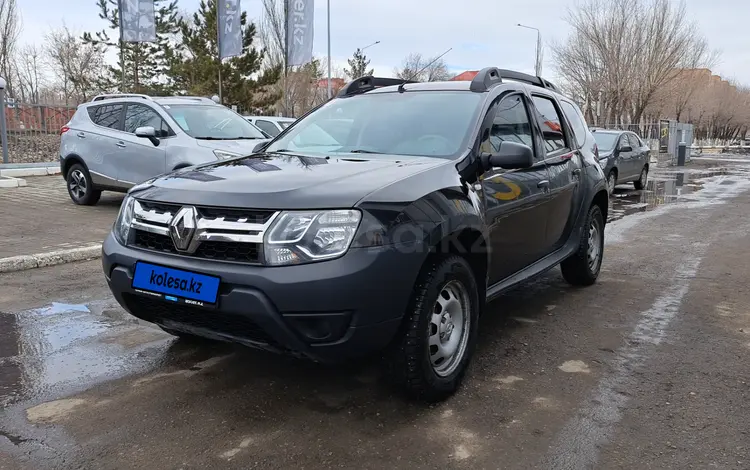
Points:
(175, 285)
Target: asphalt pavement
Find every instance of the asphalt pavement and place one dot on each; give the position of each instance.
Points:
(646, 369)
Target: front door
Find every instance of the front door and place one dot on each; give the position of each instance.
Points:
(514, 199)
(138, 158)
(626, 157)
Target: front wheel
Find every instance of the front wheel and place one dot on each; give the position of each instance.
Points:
(611, 182)
(640, 183)
(583, 267)
(431, 355)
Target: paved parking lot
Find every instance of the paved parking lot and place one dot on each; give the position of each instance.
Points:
(646, 369)
(40, 217)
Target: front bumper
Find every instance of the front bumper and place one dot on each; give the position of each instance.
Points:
(327, 311)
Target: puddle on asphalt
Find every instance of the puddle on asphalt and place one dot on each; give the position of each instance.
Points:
(64, 348)
(672, 186)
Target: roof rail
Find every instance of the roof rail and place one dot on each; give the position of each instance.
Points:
(202, 99)
(485, 79)
(107, 96)
(368, 83)
(530, 79)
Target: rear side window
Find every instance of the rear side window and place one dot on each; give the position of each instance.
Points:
(573, 114)
(107, 115)
(551, 124)
(267, 127)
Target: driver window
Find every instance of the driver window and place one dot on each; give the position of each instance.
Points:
(511, 123)
(623, 142)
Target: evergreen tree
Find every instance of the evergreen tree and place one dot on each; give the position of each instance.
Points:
(358, 65)
(146, 64)
(195, 68)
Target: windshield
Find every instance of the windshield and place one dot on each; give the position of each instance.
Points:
(431, 124)
(605, 141)
(212, 122)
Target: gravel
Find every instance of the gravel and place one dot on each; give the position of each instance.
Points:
(33, 147)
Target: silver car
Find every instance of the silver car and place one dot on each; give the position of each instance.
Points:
(117, 141)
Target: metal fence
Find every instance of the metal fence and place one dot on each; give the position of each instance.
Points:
(34, 130)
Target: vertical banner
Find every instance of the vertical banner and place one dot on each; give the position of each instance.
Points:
(137, 21)
(663, 136)
(230, 31)
(299, 32)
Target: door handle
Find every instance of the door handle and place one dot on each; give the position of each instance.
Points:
(121, 144)
(577, 172)
(81, 135)
(543, 184)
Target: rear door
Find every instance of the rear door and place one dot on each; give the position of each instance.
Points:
(101, 151)
(564, 162)
(139, 159)
(514, 199)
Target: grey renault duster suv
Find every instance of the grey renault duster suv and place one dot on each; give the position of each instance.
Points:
(387, 238)
(116, 141)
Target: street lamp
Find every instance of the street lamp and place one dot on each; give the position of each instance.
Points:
(539, 52)
(363, 48)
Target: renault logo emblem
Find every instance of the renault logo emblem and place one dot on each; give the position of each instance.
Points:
(182, 227)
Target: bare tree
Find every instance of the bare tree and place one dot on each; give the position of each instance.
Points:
(75, 64)
(28, 68)
(622, 53)
(416, 67)
(10, 30)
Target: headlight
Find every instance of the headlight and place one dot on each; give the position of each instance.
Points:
(121, 228)
(223, 154)
(298, 237)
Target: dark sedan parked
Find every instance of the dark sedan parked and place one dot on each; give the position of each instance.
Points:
(623, 156)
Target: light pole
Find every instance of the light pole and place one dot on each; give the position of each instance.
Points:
(539, 52)
(370, 45)
(328, 6)
(3, 129)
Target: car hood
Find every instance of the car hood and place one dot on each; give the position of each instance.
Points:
(240, 146)
(277, 181)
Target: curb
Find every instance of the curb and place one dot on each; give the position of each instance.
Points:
(50, 258)
(30, 171)
(11, 182)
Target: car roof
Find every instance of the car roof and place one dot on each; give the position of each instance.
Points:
(463, 85)
(608, 131)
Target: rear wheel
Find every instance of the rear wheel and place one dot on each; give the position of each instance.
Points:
(583, 267)
(640, 183)
(432, 353)
(80, 187)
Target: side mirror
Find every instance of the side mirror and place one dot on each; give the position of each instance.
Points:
(260, 146)
(626, 148)
(149, 133)
(512, 155)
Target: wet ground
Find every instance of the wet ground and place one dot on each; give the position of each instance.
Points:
(646, 369)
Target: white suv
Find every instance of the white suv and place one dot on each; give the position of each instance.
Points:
(117, 141)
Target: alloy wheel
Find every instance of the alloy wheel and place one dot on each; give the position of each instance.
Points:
(77, 184)
(449, 328)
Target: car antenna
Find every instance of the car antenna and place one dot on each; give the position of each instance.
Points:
(415, 74)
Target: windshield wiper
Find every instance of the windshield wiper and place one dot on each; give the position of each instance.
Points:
(363, 151)
(206, 137)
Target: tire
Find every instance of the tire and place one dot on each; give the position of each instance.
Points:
(642, 180)
(611, 181)
(583, 267)
(413, 361)
(80, 187)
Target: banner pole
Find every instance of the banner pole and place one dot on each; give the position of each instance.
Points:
(329, 49)
(218, 46)
(122, 49)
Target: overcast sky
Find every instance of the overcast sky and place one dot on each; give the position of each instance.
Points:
(481, 32)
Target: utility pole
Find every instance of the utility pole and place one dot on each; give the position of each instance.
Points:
(539, 51)
(329, 48)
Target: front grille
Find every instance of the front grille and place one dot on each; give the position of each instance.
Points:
(218, 251)
(153, 241)
(235, 215)
(159, 207)
(213, 320)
